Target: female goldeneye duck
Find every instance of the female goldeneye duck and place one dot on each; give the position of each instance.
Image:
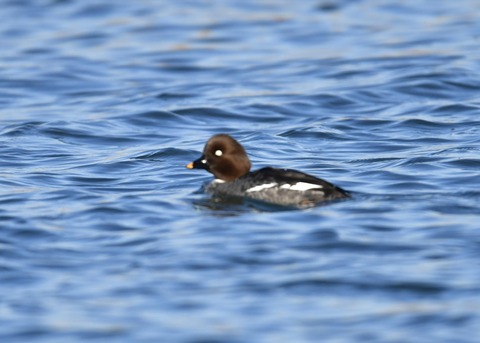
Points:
(227, 160)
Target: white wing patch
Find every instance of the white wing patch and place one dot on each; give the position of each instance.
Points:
(218, 181)
(301, 186)
(262, 187)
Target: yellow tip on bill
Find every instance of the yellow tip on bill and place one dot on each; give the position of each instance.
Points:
(190, 165)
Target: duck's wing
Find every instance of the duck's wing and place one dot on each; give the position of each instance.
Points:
(297, 180)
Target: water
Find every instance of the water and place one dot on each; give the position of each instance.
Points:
(105, 237)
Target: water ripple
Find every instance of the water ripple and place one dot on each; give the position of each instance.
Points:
(106, 235)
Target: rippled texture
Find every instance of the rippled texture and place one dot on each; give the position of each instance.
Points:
(104, 236)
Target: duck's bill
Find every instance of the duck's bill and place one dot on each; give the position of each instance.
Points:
(201, 163)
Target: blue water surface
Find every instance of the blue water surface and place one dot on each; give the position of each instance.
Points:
(105, 237)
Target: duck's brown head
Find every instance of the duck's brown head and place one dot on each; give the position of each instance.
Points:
(224, 157)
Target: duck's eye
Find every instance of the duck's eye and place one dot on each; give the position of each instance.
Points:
(204, 161)
(218, 153)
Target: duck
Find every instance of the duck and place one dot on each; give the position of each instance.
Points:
(225, 158)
